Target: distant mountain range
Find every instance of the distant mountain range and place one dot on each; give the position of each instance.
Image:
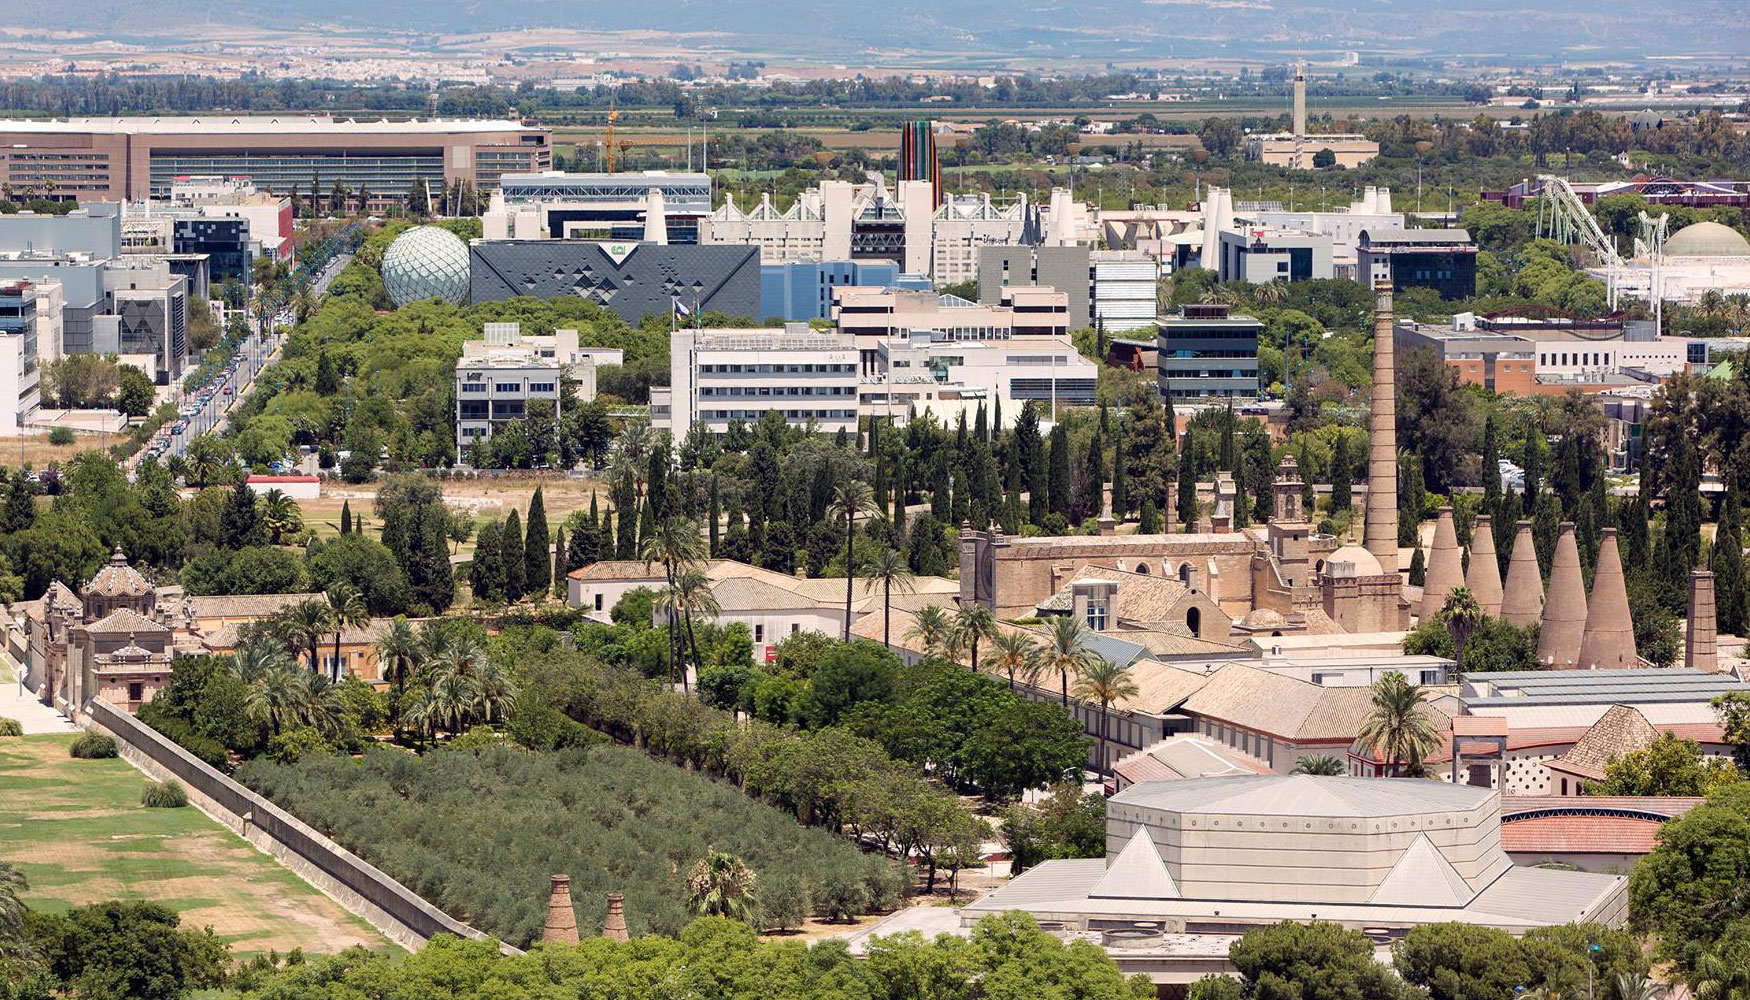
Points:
(1123, 32)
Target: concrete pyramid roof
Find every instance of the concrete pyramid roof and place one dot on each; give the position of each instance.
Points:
(1564, 612)
(1445, 566)
(1422, 877)
(1484, 575)
(1137, 873)
(1522, 599)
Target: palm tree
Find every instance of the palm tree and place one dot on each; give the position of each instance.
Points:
(306, 622)
(693, 596)
(851, 498)
(932, 626)
(1632, 987)
(318, 702)
(495, 695)
(972, 623)
(254, 659)
(452, 698)
(435, 642)
(273, 698)
(889, 569)
(1106, 682)
(1322, 764)
(398, 652)
(13, 886)
(1462, 615)
(280, 515)
(463, 656)
(1723, 972)
(1066, 651)
(722, 885)
(1271, 293)
(1014, 651)
(676, 542)
(1400, 728)
(346, 608)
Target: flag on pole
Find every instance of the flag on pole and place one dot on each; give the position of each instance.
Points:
(680, 308)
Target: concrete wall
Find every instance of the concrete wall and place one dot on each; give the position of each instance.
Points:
(360, 887)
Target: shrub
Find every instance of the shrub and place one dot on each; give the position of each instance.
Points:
(61, 436)
(294, 744)
(92, 746)
(164, 795)
(477, 740)
(10, 727)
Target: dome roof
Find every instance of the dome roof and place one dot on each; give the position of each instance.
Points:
(1707, 239)
(118, 579)
(1263, 618)
(1364, 562)
(426, 262)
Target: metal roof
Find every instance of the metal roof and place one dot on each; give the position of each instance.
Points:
(1596, 687)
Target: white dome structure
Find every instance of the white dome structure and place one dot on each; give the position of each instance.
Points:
(426, 262)
(1707, 239)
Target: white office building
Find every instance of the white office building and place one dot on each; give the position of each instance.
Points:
(496, 386)
(724, 376)
(578, 364)
(30, 320)
(1123, 290)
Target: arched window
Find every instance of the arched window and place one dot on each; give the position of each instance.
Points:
(1185, 572)
(1194, 622)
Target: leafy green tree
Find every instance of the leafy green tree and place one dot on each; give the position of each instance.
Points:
(134, 393)
(241, 521)
(1667, 766)
(1312, 961)
(1690, 888)
(1068, 823)
(127, 951)
(368, 566)
(1458, 961)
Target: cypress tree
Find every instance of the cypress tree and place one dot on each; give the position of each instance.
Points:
(1242, 496)
(240, 520)
(511, 558)
(1491, 464)
(1224, 458)
(327, 378)
(1545, 527)
(1342, 475)
(981, 425)
(1058, 486)
(20, 512)
(1093, 480)
(1120, 496)
(647, 520)
(427, 563)
(1149, 522)
(1412, 498)
(1506, 526)
(1187, 507)
(560, 555)
(585, 545)
(1680, 544)
(714, 514)
(486, 576)
(1030, 458)
(626, 546)
(1418, 568)
(1532, 462)
(1586, 538)
(537, 549)
(1730, 600)
(346, 517)
(608, 549)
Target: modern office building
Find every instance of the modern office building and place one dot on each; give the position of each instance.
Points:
(612, 207)
(93, 230)
(1064, 268)
(132, 159)
(27, 311)
(1207, 352)
(876, 314)
(1263, 255)
(1343, 226)
(633, 279)
(1442, 259)
(578, 364)
(722, 376)
(802, 290)
(1498, 362)
(840, 220)
(1124, 291)
(496, 386)
(225, 242)
(927, 374)
(131, 306)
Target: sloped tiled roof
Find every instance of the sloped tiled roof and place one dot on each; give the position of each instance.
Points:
(1621, 731)
(124, 622)
(1597, 834)
(1283, 706)
(1142, 597)
(748, 594)
(118, 579)
(244, 605)
(1185, 756)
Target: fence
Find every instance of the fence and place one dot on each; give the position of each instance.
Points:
(356, 884)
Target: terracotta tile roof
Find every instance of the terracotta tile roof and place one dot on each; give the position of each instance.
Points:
(117, 579)
(618, 569)
(1283, 706)
(1580, 835)
(244, 605)
(749, 594)
(1161, 688)
(1172, 642)
(1479, 725)
(1621, 731)
(1185, 756)
(124, 622)
(1663, 806)
(1142, 597)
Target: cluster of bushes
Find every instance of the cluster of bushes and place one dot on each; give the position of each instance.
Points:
(112, 951)
(10, 727)
(479, 834)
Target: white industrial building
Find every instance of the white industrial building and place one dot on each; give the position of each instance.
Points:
(1125, 290)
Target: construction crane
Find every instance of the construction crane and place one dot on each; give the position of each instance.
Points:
(613, 116)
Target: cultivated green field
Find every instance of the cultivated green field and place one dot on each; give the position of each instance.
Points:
(77, 830)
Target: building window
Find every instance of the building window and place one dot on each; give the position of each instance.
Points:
(137, 691)
(1097, 614)
(598, 602)
(759, 633)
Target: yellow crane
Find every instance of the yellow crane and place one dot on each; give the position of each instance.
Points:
(613, 116)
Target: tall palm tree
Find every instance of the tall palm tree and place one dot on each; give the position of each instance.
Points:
(1066, 650)
(306, 623)
(273, 698)
(932, 627)
(1014, 651)
(346, 608)
(1632, 987)
(453, 697)
(494, 694)
(13, 886)
(722, 885)
(693, 596)
(1462, 614)
(972, 623)
(463, 656)
(1322, 764)
(280, 515)
(1105, 682)
(1400, 728)
(253, 659)
(889, 569)
(398, 652)
(1271, 293)
(318, 702)
(435, 642)
(676, 543)
(852, 498)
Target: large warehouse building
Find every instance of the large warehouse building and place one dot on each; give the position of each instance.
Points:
(131, 159)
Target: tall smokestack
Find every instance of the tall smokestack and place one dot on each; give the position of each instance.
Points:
(1382, 436)
(656, 218)
(561, 925)
(1700, 640)
(1522, 599)
(1300, 98)
(1564, 613)
(1445, 567)
(1609, 643)
(1484, 576)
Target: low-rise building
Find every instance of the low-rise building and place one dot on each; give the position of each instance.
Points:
(495, 388)
(874, 315)
(796, 291)
(1307, 152)
(1259, 255)
(1442, 259)
(720, 377)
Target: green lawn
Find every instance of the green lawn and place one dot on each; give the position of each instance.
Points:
(77, 830)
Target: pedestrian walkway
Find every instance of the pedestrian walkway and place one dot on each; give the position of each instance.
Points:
(17, 702)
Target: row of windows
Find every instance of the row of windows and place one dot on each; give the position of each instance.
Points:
(753, 415)
(1580, 358)
(749, 392)
(776, 369)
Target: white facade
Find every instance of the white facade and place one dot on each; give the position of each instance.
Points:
(579, 363)
(1124, 290)
(495, 388)
(720, 377)
(1344, 227)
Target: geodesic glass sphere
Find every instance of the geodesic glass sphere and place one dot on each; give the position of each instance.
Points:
(426, 262)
